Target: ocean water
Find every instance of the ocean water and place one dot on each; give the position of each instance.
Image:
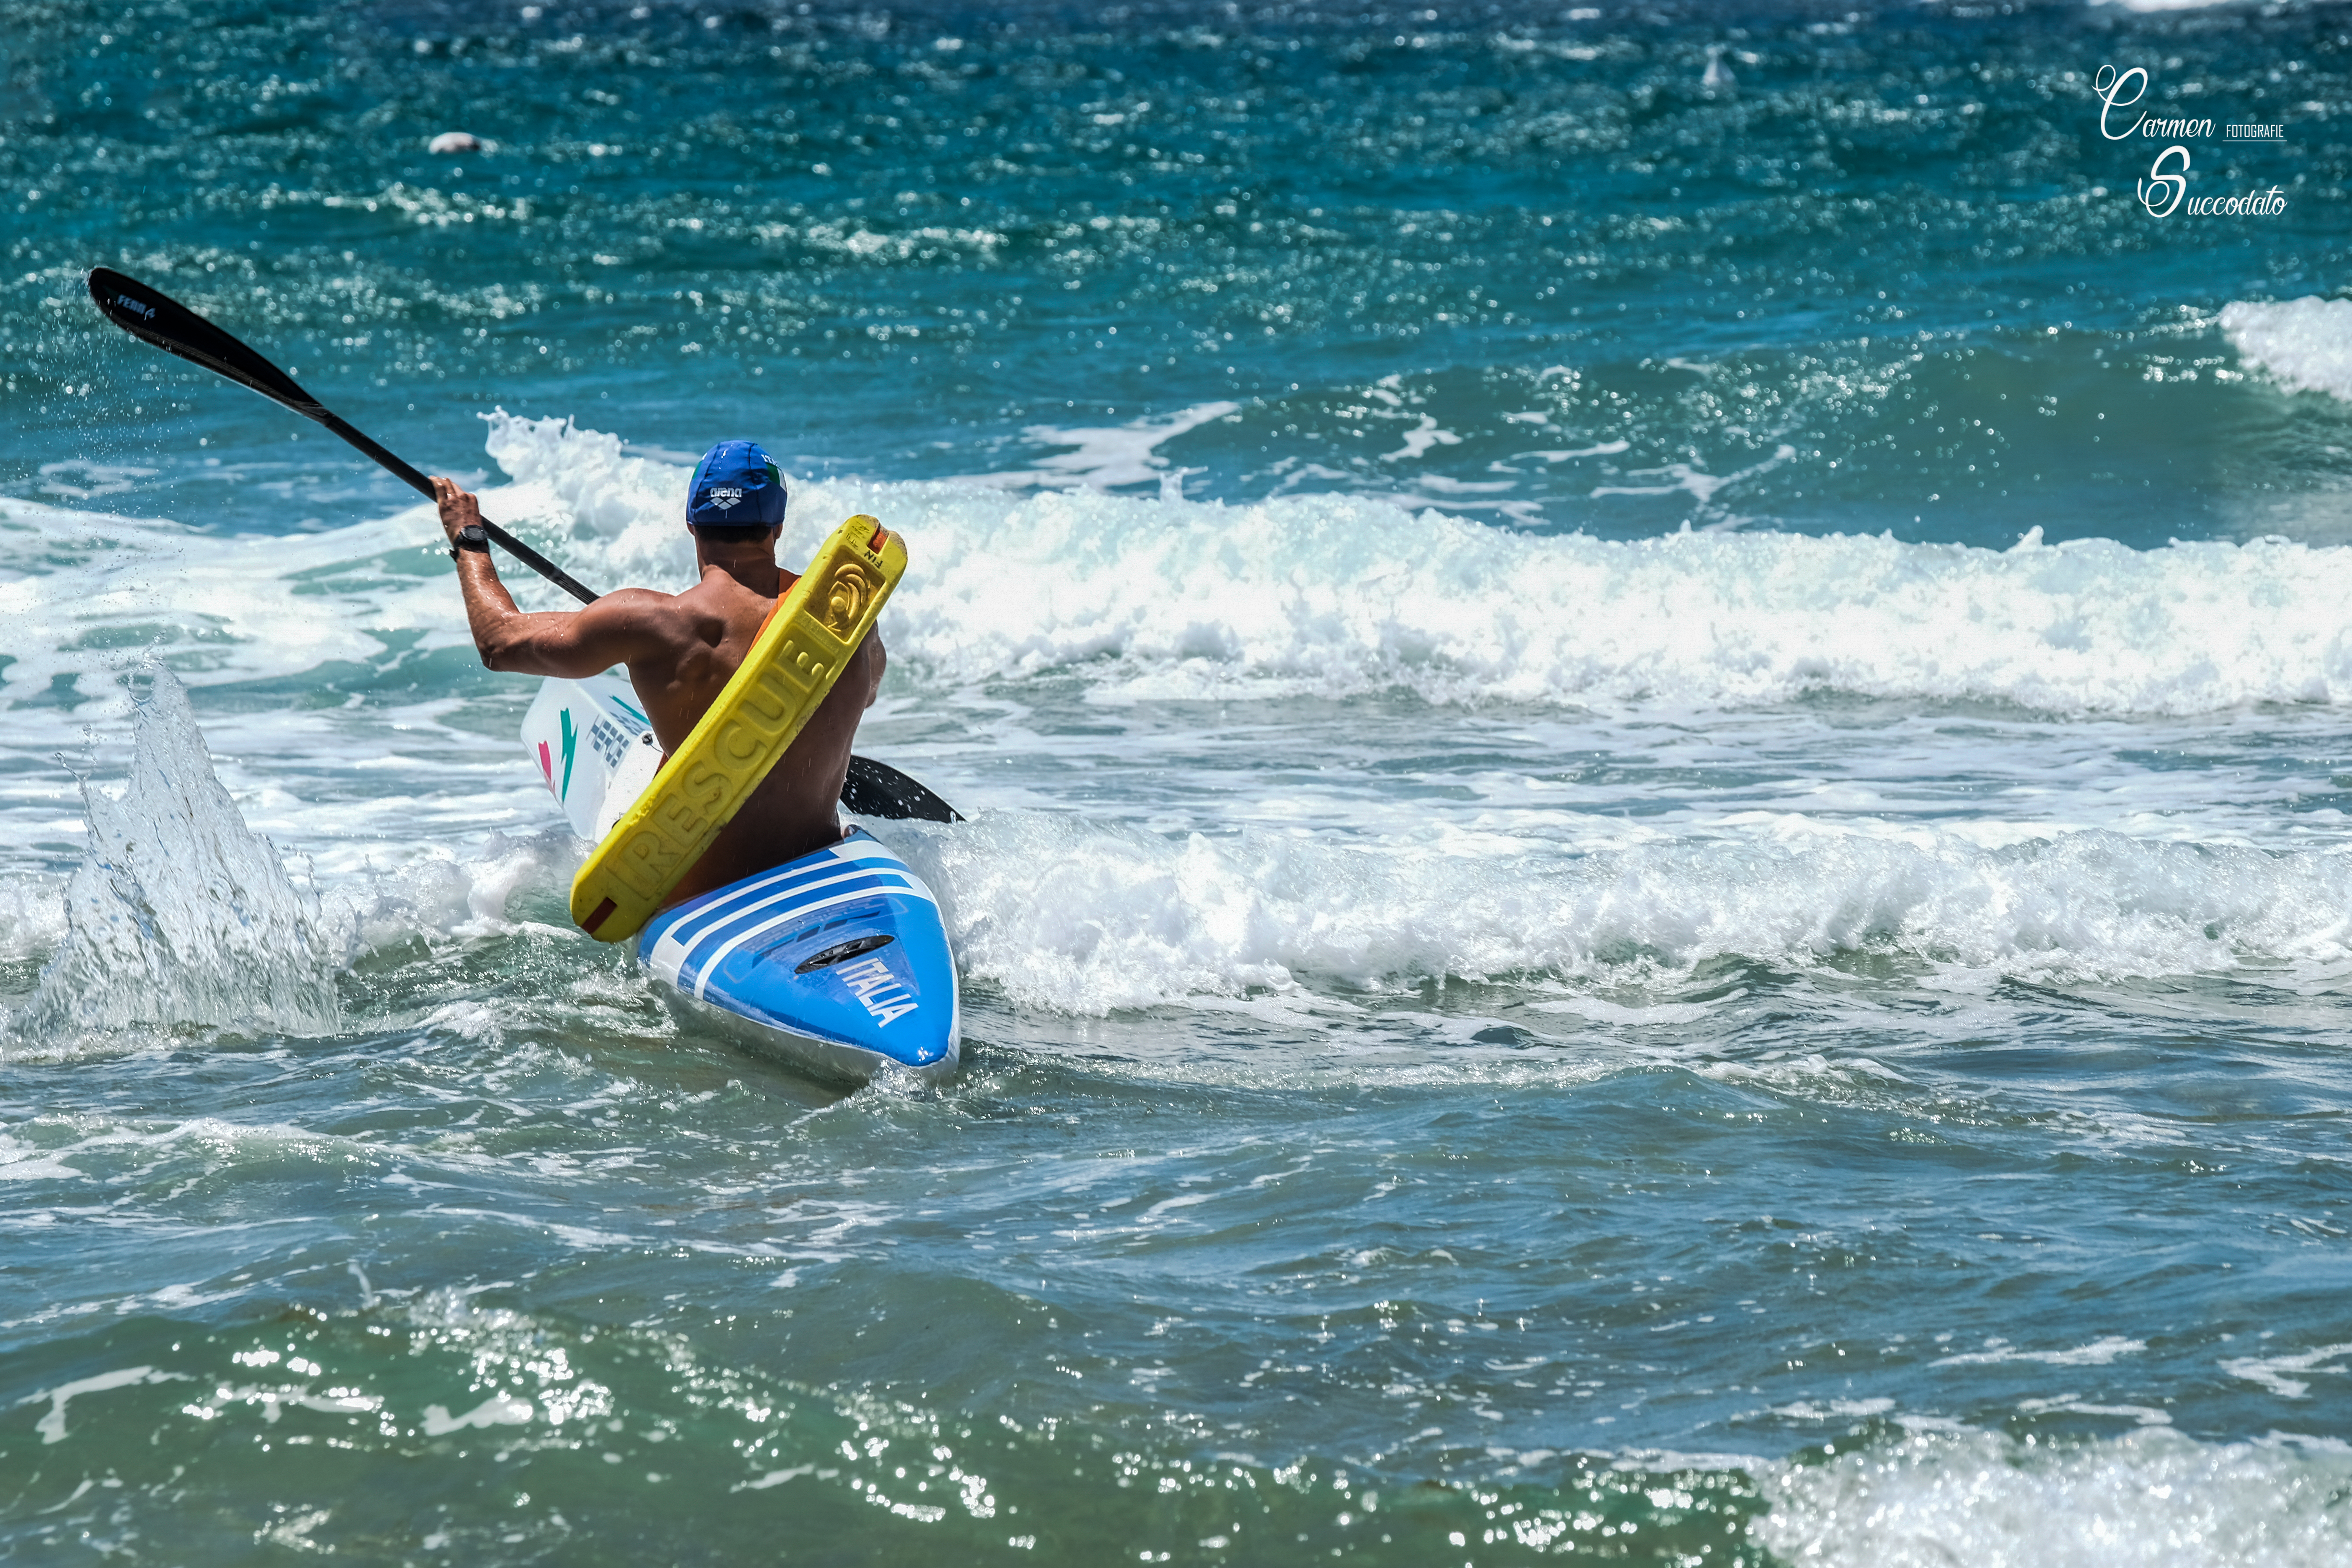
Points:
(1657, 772)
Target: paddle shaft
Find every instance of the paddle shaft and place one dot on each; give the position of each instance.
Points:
(498, 536)
(873, 789)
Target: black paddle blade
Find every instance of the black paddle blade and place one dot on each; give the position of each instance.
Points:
(879, 790)
(153, 316)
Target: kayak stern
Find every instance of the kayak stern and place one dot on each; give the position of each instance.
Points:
(835, 963)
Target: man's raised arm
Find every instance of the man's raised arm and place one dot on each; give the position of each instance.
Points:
(618, 628)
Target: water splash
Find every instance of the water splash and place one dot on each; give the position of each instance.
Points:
(180, 914)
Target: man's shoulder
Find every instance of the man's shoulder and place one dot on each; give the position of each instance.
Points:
(642, 604)
(721, 599)
(635, 624)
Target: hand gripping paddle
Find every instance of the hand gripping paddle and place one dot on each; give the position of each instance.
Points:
(873, 789)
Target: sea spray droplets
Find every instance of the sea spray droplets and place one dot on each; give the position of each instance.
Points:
(179, 914)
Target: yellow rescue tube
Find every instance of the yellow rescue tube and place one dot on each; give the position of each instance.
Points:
(800, 651)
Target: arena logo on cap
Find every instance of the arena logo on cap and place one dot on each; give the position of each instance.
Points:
(2166, 188)
(726, 498)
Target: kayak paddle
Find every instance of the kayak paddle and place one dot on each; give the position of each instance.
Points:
(873, 789)
(157, 318)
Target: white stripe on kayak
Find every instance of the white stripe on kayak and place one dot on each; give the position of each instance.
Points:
(861, 849)
(702, 975)
(798, 890)
(865, 856)
(670, 955)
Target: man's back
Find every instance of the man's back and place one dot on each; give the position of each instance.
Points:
(792, 812)
(681, 650)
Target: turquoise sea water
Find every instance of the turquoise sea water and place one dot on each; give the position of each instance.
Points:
(1658, 768)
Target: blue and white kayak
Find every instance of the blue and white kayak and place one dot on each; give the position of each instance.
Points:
(836, 963)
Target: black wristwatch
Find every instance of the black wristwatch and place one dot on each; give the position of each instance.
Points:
(470, 537)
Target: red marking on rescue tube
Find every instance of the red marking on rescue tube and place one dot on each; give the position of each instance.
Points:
(598, 916)
(873, 545)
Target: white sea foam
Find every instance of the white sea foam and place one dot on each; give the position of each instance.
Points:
(1107, 458)
(2289, 1376)
(440, 890)
(1327, 594)
(243, 606)
(1341, 594)
(2304, 344)
(134, 1148)
(2098, 1353)
(2154, 6)
(2149, 1500)
(52, 1426)
(1085, 918)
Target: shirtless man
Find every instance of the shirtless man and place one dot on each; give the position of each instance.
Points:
(682, 648)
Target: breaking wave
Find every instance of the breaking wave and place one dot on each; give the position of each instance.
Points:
(1077, 918)
(2304, 344)
(2152, 1497)
(1331, 596)
(1339, 594)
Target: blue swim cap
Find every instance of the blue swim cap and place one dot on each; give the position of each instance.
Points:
(736, 485)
